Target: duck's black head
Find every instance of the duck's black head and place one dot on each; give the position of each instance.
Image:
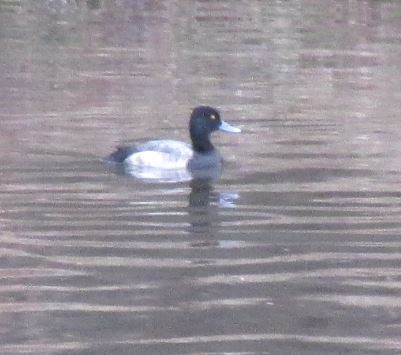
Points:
(205, 120)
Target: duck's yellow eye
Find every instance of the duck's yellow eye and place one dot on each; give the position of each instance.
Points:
(213, 116)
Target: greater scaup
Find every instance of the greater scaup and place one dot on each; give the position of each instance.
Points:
(171, 154)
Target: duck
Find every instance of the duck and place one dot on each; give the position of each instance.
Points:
(170, 154)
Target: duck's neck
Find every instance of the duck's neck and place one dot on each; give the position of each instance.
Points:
(202, 144)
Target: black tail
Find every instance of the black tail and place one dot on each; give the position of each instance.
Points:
(120, 154)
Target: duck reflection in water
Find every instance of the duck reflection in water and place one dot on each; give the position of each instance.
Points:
(204, 203)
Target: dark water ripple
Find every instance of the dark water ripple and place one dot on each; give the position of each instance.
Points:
(85, 250)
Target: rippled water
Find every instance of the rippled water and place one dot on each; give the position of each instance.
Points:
(295, 249)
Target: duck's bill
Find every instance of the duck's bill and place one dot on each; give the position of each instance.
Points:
(226, 127)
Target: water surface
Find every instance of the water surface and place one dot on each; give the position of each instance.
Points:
(295, 249)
